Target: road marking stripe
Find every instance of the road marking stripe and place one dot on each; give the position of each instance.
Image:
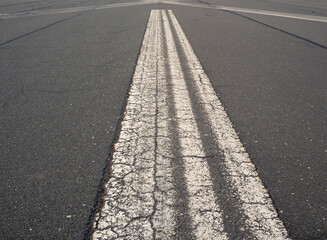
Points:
(140, 195)
(253, 11)
(145, 2)
(204, 211)
(71, 10)
(129, 209)
(164, 217)
(262, 218)
(274, 14)
(128, 201)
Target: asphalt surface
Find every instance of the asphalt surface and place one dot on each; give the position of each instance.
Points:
(64, 81)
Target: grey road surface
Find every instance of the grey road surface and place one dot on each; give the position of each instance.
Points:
(65, 77)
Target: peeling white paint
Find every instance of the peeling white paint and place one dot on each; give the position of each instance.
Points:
(205, 213)
(139, 202)
(262, 219)
(128, 201)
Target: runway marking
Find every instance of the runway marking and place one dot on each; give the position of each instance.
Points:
(253, 11)
(204, 211)
(274, 14)
(140, 201)
(140, 190)
(145, 2)
(262, 219)
(71, 10)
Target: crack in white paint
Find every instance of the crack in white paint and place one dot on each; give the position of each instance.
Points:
(205, 213)
(164, 217)
(139, 202)
(262, 219)
(128, 201)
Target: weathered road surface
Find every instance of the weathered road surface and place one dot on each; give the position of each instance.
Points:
(174, 116)
(96, 87)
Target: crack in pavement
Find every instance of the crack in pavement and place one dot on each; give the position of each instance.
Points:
(40, 29)
(162, 184)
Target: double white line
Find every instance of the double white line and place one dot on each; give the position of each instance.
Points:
(161, 185)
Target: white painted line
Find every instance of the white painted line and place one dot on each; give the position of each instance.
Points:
(71, 10)
(187, 4)
(129, 201)
(145, 2)
(253, 11)
(262, 219)
(205, 213)
(140, 192)
(164, 217)
(274, 14)
(139, 202)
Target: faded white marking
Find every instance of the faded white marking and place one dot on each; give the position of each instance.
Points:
(129, 201)
(274, 14)
(140, 192)
(164, 217)
(139, 202)
(145, 2)
(262, 219)
(140, 197)
(205, 213)
(253, 11)
(71, 10)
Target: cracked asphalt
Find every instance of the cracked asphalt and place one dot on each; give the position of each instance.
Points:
(140, 201)
(65, 80)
